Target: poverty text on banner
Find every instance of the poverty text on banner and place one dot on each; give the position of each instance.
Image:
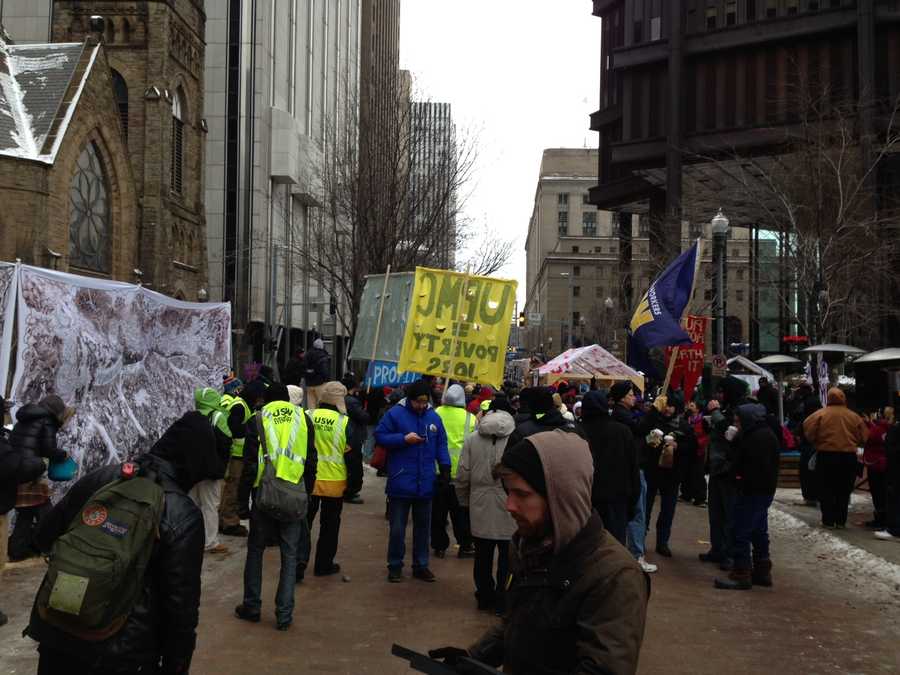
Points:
(458, 326)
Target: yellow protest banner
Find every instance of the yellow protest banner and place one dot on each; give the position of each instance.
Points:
(458, 325)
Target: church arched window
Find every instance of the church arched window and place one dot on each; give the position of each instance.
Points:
(89, 227)
(178, 115)
(120, 89)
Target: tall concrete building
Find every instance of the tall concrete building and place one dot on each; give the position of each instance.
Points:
(155, 51)
(577, 280)
(432, 175)
(686, 85)
(379, 64)
(281, 76)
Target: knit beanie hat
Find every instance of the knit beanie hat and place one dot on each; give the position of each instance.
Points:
(523, 459)
(418, 389)
(620, 390)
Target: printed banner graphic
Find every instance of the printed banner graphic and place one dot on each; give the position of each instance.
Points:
(689, 363)
(477, 313)
(386, 374)
(125, 358)
(7, 310)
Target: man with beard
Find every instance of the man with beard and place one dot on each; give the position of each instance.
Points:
(576, 600)
(159, 635)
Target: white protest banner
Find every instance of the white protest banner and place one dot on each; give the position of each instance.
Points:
(7, 311)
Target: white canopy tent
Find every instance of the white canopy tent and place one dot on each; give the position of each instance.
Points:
(744, 369)
(591, 362)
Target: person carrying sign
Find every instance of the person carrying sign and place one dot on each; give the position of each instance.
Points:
(279, 453)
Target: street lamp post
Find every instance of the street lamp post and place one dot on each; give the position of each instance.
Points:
(568, 322)
(720, 235)
(609, 304)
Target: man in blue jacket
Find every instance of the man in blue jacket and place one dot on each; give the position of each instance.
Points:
(415, 439)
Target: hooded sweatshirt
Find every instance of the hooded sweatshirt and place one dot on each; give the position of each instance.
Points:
(835, 428)
(583, 610)
(476, 487)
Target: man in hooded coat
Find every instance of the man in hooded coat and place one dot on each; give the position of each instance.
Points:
(577, 600)
(160, 634)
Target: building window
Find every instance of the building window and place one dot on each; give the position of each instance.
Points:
(576, 318)
(589, 223)
(739, 296)
(576, 291)
(563, 223)
(655, 28)
(712, 16)
(562, 200)
(176, 182)
(771, 9)
(708, 294)
(730, 13)
(695, 230)
(120, 88)
(89, 213)
(643, 227)
(598, 249)
(575, 249)
(585, 198)
(792, 6)
(576, 270)
(740, 275)
(598, 292)
(751, 11)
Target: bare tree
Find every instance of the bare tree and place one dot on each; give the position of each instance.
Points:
(393, 191)
(830, 260)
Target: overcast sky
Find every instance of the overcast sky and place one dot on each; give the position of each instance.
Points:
(524, 75)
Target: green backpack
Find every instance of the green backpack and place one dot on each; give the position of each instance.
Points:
(97, 566)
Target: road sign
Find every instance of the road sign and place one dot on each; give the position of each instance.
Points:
(719, 365)
(535, 317)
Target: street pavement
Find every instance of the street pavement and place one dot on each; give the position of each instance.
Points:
(834, 608)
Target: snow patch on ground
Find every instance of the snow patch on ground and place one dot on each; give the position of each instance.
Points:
(868, 571)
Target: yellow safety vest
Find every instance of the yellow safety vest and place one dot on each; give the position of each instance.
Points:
(229, 402)
(458, 423)
(331, 442)
(285, 434)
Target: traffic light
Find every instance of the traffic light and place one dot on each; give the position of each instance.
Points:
(521, 319)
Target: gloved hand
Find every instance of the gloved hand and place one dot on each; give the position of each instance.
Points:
(450, 655)
(661, 403)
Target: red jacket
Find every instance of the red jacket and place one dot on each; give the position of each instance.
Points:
(701, 435)
(874, 456)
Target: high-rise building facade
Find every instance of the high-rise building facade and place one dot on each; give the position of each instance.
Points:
(281, 78)
(433, 176)
(580, 288)
(689, 88)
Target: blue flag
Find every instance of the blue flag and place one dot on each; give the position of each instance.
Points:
(657, 319)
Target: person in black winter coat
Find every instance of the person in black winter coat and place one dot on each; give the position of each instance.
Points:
(755, 473)
(617, 482)
(160, 634)
(806, 402)
(542, 416)
(35, 432)
(317, 371)
(359, 421)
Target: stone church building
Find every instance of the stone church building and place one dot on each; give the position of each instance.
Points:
(102, 145)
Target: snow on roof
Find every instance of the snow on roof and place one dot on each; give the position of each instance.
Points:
(34, 81)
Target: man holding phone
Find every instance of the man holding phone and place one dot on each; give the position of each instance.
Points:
(414, 437)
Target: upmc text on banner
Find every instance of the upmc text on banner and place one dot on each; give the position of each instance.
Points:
(476, 311)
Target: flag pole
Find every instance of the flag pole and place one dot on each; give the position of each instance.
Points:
(674, 357)
(387, 276)
(455, 333)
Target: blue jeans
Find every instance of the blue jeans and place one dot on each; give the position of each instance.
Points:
(288, 537)
(398, 514)
(668, 498)
(751, 526)
(637, 528)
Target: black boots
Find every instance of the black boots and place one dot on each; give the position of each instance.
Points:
(762, 573)
(739, 579)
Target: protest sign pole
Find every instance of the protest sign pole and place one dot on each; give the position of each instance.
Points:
(455, 333)
(387, 276)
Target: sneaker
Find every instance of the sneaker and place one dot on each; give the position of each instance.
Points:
(334, 569)
(649, 568)
(246, 614)
(395, 575)
(884, 535)
(424, 574)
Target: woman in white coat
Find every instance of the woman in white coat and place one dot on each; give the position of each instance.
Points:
(476, 488)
